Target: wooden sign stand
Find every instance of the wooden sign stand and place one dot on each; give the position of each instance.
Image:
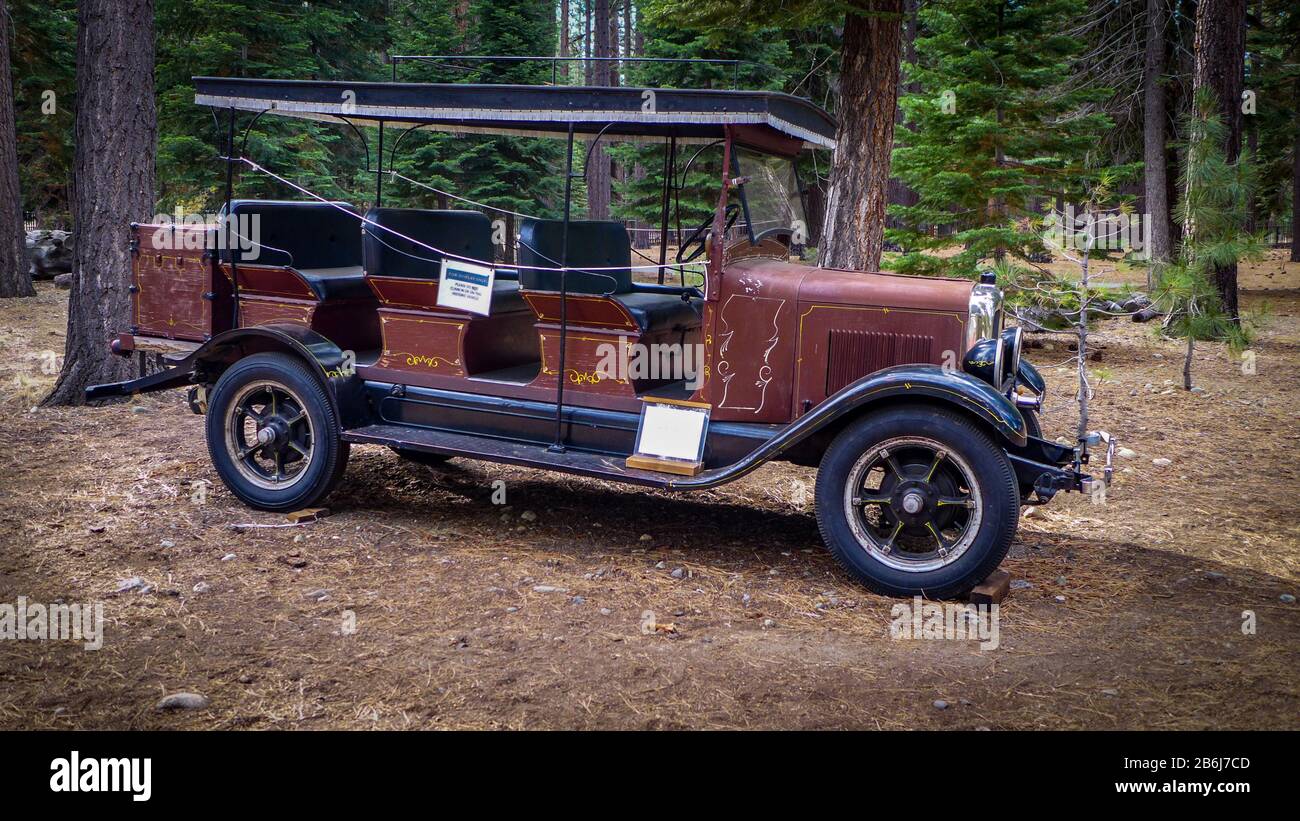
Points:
(671, 435)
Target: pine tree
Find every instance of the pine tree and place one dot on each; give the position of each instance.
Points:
(1213, 213)
(990, 132)
(44, 83)
(1274, 81)
(324, 39)
(15, 279)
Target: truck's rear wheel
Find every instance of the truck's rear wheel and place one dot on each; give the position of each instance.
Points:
(273, 434)
(917, 501)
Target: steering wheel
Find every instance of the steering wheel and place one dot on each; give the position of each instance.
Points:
(699, 236)
(782, 234)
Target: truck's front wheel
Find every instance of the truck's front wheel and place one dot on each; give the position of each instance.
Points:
(917, 501)
(273, 434)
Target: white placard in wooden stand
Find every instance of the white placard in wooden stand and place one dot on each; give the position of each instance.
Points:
(671, 435)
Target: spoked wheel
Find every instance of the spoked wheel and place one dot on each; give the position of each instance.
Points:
(273, 435)
(269, 435)
(917, 500)
(912, 503)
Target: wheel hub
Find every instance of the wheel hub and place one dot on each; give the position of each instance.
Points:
(912, 501)
(274, 434)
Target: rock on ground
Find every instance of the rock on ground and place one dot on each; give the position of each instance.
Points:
(49, 253)
(183, 701)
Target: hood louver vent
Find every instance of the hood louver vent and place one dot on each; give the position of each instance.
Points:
(854, 354)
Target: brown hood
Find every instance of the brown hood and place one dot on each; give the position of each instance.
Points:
(832, 286)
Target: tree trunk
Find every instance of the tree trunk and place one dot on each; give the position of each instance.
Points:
(1220, 61)
(1295, 184)
(113, 184)
(598, 170)
(859, 187)
(1295, 199)
(627, 31)
(586, 43)
(15, 272)
(1252, 144)
(899, 193)
(1153, 132)
(564, 39)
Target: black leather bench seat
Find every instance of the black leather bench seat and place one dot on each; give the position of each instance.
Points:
(601, 245)
(506, 297)
(347, 282)
(463, 234)
(659, 311)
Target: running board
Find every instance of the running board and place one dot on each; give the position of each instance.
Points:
(525, 454)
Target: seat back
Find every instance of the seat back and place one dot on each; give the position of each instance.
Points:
(299, 234)
(594, 243)
(462, 233)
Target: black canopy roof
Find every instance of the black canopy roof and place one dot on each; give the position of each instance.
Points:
(689, 114)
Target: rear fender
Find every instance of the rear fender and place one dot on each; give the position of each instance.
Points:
(334, 367)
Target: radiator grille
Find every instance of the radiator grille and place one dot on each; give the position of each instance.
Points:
(852, 355)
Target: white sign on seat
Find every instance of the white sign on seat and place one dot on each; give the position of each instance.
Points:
(466, 286)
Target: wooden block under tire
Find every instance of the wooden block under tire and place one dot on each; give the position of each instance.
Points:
(993, 589)
(309, 514)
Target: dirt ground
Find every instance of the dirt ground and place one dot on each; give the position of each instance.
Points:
(1127, 614)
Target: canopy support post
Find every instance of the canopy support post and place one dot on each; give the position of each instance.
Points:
(670, 165)
(379, 169)
(230, 218)
(558, 445)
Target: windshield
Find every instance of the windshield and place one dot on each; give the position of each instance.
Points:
(771, 198)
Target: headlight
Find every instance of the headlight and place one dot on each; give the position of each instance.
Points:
(984, 360)
(996, 361)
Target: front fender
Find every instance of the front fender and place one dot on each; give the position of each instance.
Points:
(961, 390)
(972, 395)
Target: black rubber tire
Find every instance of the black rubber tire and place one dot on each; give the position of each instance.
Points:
(330, 454)
(1035, 429)
(992, 471)
(1032, 426)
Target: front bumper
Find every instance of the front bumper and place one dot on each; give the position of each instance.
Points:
(1045, 468)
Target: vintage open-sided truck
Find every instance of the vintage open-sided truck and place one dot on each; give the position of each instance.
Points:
(305, 326)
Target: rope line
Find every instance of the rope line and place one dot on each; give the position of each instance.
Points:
(448, 254)
(466, 200)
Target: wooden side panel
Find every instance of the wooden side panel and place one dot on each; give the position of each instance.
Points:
(416, 343)
(584, 353)
(255, 310)
(584, 311)
(173, 288)
(405, 292)
(270, 280)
